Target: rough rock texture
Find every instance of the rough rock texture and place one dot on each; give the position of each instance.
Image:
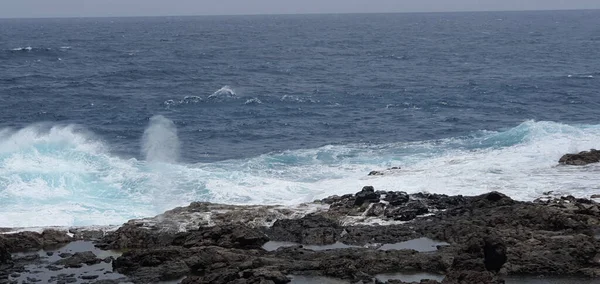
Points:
(162, 229)
(552, 239)
(489, 236)
(79, 259)
(311, 229)
(220, 265)
(133, 234)
(33, 241)
(582, 158)
(227, 236)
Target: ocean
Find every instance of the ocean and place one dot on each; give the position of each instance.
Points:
(107, 119)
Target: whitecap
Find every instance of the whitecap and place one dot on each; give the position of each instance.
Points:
(28, 48)
(253, 101)
(191, 100)
(224, 92)
(297, 99)
(185, 100)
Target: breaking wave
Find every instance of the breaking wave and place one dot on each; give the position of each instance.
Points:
(65, 176)
(223, 93)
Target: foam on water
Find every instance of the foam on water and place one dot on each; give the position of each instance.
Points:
(64, 176)
(28, 48)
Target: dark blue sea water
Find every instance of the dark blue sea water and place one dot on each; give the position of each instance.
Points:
(105, 119)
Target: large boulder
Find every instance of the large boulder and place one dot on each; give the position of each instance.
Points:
(582, 158)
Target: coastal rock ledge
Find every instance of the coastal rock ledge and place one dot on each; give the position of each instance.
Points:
(354, 238)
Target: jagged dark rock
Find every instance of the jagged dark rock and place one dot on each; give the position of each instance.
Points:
(366, 195)
(581, 158)
(133, 235)
(488, 236)
(311, 229)
(24, 241)
(406, 213)
(396, 198)
(227, 236)
(78, 259)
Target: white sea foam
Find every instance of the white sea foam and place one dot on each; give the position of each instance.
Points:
(27, 48)
(63, 176)
(297, 99)
(253, 101)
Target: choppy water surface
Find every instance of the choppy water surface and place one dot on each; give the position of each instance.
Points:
(104, 120)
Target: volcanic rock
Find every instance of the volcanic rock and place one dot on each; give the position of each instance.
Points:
(78, 259)
(227, 236)
(24, 241)
(311, 229)
(582, 158)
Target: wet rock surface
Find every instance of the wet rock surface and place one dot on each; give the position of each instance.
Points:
(581, 158)
(482, 239)
(384, 172)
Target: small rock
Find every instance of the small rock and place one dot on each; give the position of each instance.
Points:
(367, 194)
(368, 188)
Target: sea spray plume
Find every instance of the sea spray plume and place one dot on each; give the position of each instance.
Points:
(160, 142)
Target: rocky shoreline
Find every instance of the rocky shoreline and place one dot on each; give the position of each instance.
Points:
(354, 238)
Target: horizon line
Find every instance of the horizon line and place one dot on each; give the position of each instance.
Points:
(295, 14)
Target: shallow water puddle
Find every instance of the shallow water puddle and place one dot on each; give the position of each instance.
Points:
(40, 265)
(272, 246)
(297, 279)
(420, 245)
(409, 276)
